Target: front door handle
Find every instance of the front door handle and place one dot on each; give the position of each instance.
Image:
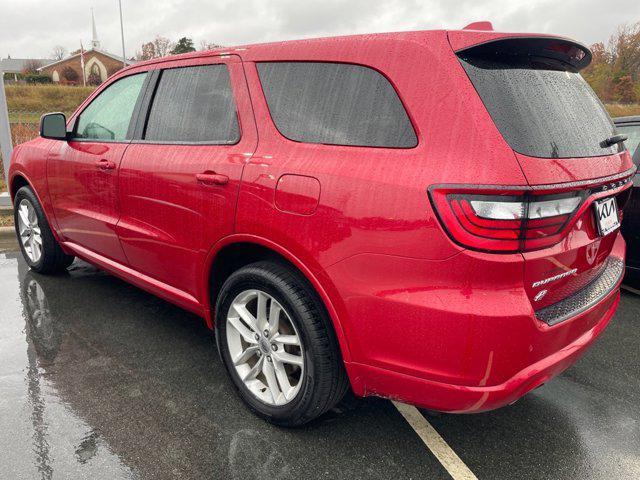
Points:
(212, 178)
(105, 164)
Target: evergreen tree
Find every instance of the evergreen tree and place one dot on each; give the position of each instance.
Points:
(184, 45)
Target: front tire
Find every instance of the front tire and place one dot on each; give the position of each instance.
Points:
(39, 247)
(278, 345)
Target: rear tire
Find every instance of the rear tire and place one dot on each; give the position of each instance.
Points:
(39, 247)
(318, 381)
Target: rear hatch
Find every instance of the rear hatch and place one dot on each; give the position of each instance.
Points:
(565, 144)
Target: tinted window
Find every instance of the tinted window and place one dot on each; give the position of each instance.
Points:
(108, 116)
(194, 104)
(541, 109)
(334, 103)
(633, 134)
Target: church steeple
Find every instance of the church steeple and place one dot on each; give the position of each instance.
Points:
(95, 43)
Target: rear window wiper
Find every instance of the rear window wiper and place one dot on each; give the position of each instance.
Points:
(615, 139)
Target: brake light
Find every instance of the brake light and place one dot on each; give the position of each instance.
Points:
(508, 222)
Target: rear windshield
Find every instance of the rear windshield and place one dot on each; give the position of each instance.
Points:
(541, 109)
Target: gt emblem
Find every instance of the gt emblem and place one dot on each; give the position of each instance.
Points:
(539, 295)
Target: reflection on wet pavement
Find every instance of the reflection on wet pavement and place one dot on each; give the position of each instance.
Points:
(101, 380)
(8, 243)
(583, 424)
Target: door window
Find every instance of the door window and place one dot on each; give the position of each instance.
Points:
(194, 105)
(108, 116)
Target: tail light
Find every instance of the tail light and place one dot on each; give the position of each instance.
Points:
(507, 222)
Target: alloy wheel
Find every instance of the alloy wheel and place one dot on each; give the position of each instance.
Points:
(29, 230)
(265, 347)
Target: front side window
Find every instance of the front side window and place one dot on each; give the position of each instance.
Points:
(335, 103)
(108, 116)
(194, 104)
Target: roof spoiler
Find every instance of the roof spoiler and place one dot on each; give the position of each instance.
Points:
(568, 52)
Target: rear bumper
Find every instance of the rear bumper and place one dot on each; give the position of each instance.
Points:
(459, 335)
(593, 293)
(468, 399)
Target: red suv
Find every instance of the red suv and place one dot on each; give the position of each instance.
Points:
(425, 216)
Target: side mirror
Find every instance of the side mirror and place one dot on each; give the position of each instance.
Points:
(53, 126)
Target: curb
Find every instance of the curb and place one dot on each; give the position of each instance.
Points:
(7, 232)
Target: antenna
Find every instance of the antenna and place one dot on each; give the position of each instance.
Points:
(484, 25)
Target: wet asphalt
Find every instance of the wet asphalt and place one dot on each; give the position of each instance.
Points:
(99, 379)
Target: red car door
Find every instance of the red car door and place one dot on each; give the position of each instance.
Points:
(179, 180)
(82, 173)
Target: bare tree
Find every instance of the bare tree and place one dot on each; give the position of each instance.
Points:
(147, 52)
(158, 47)
(31, 67)
(59, 52)
(205, 45)
(163, 46)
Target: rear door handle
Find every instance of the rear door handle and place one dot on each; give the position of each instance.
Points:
(105, 164)
(212, 178)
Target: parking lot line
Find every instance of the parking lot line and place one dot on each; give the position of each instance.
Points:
(432, 439)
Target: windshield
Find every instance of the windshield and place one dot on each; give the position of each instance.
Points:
(542, 108)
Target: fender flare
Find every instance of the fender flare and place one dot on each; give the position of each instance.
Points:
(16, 172)
(293, 259)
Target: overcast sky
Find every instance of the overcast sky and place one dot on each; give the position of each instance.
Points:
(30, 28)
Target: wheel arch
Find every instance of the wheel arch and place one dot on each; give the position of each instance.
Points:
(19, 179)
(17, 182)
(235, 251)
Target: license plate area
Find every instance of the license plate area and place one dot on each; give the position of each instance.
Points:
(606, 212)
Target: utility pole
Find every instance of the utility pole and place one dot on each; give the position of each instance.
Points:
(124, 57)
(6, 145)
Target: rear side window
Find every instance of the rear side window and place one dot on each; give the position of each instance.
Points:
(542, 108)
(107, 117)
(335, 103)
(194, 105)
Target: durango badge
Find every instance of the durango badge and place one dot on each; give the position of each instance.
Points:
(554, 278)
